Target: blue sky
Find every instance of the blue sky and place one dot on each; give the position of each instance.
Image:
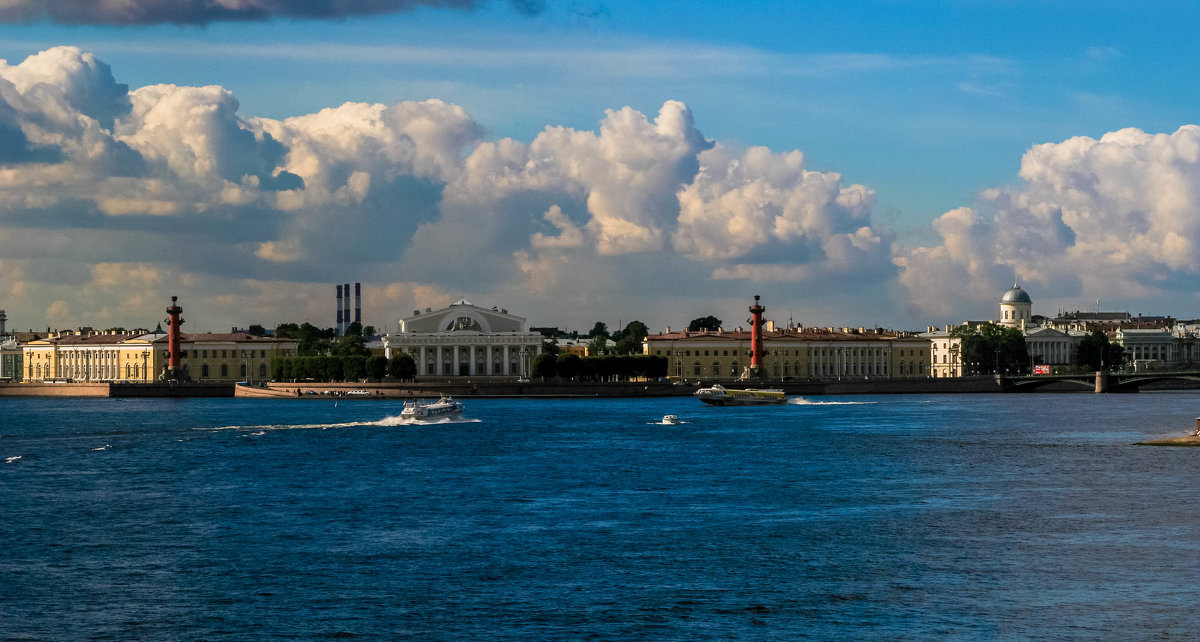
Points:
(931, 107)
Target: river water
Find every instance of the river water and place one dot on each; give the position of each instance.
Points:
(896, 517)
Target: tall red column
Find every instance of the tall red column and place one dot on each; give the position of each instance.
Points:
(173, 339)
(756, 338)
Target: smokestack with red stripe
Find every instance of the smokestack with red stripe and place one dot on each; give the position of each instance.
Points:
(756, 338)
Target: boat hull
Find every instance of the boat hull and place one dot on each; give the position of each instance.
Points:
(440, 409)
(721, 396)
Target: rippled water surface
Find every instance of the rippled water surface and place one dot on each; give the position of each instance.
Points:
(899, 517)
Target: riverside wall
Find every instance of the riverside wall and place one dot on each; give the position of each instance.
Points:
(122, 390)
(457, 387)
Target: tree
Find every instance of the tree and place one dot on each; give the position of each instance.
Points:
(545, 366)
(598, 345)
(350, 345)
(354, 368)
(569, 365)
(599, 330)
(402, 366)
(992, 348)
(313, 341)
(709, 323)
(377, 367)
(368, 332)
(550, 346)
(1095, 352)
(287, 331)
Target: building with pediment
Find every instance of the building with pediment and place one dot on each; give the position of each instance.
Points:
(465, 340)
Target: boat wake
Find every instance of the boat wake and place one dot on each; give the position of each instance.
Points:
(393, 420)
(801, 401)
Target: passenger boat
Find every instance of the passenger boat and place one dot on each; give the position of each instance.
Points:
(444, 407)
(719, 395)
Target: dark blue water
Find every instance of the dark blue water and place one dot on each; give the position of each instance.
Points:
(901, 517)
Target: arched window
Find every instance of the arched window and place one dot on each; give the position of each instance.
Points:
(224, 371)
(716, 368)
(204, 371)
(735, 369)
(696, 368)
(243, 371)
(262, 370)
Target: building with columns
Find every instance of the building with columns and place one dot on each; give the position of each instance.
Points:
(465, 340)
(142, 356)
(793, 353)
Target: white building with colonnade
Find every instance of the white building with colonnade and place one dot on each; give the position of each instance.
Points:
(465, 340)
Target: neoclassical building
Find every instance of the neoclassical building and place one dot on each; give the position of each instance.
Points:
(142, 356)
(805, 353)
(464, 340)
(1048, 346)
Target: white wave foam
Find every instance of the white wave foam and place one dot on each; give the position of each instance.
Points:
(104, 447)
(11, 460)
(392, 420)
(801, 401)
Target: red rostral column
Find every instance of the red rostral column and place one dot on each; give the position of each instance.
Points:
(173, 338)
(756, 338)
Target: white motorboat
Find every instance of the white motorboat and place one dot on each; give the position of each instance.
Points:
(670, 419)
(719, 395)
(443, 407)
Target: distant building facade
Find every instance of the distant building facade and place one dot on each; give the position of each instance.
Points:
(793, 353)
(464, 340)
(142, 357)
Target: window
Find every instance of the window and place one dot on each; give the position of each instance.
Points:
(243, 371)
(696, 368)
(204, 371)
(262, 370)
(716, 369)
(224, 371)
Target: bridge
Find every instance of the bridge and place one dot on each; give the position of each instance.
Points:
(1103, 381)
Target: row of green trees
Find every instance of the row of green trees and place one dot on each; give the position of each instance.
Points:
(599, 368)
(347, 368)
(313, 341)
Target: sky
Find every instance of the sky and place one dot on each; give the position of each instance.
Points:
(880, 163)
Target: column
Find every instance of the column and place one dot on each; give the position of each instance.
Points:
(471, 363)
(454, 364)
(506, 368)
(421, 364)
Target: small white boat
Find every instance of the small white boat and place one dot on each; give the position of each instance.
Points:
(670, 419)
(719, 395)
(444, 407)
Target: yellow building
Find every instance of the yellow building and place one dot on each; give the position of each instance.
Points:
(142, 357)
(794, 353)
